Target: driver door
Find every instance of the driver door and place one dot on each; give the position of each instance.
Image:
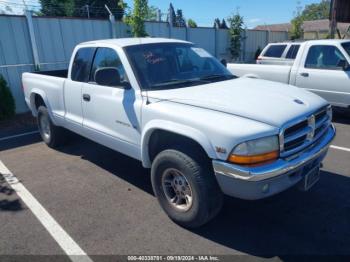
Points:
(323, 74)
(111, 112)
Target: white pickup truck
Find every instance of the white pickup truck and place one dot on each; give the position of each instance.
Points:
(321, 66)
(202, 131)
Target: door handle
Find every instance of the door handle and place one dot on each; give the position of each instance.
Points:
(86, 97)
(304, 74)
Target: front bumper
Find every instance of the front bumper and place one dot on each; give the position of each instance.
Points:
(259, 182)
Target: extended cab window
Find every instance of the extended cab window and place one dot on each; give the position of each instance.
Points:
(293, 51)
(82, 64)
(275, 51)
(107, 57)
(324, 57)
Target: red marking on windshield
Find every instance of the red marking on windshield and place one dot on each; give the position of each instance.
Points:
(152, 58)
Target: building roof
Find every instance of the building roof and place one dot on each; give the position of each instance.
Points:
(323, 25)
(308, 26)
(328, 41)
(133, 41)
(286, 27)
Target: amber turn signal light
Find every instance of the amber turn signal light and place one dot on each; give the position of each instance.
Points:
(254, 159)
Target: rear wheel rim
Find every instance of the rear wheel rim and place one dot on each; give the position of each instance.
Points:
(177, 190)
(44, 125)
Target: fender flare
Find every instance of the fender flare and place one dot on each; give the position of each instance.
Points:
(42, 94)
(176, 128)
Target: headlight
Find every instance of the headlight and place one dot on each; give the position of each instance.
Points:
(255, 152)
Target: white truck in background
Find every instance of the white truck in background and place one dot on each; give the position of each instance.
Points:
(279, 54)
(178, 110)
(321, 66)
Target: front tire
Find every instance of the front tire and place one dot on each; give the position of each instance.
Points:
(186, 187)
(52, 135)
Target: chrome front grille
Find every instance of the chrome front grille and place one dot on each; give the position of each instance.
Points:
(304, 132)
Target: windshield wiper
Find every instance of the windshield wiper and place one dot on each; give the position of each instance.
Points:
(216, 76)
(176, 82)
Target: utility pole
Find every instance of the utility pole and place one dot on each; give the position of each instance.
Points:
(25, 6)
(159, 15)
(171, 19)
(333, 22)
(112, 22)
(28, 15)
(87, 10)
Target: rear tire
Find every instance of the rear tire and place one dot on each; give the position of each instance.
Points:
(201, 198)
(52, 135)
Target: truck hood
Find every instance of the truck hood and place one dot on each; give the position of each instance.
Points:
(265, 101)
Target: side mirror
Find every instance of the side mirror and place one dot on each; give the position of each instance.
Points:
(224, 62)
(344, 65)
(108, 76)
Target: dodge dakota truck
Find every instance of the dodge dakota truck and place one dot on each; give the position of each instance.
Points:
(202, 131)
(321, 66)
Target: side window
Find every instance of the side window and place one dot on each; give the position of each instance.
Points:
(324, 57)
(293, 51)
(107, 57)
(82, 64)
(275, 51)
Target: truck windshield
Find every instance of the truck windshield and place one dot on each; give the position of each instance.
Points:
(174, 65)
(346, 46)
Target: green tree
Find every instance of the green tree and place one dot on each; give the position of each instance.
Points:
(82, 8)
(137, 18)
(220, 25)
(97, 9)
(217, 23)
(57, 7)
(180, 20)
(297, 23)
(317, 11)
(236, 29)
(152, 13)
(121, 7)
(191, 23)
(7, 102)
(223, 24)
(172, 16)
(297, 28)
(308, 13)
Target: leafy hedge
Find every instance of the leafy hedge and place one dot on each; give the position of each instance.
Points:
(7, 102)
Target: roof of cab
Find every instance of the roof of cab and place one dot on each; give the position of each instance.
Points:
(122, 42)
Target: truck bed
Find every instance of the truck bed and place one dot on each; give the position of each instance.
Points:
(57, 73)
(275, 73)
(49, 82)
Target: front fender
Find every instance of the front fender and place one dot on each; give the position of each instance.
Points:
(176, 128)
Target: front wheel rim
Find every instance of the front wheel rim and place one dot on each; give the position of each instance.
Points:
(177, 190)
(44, 126)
